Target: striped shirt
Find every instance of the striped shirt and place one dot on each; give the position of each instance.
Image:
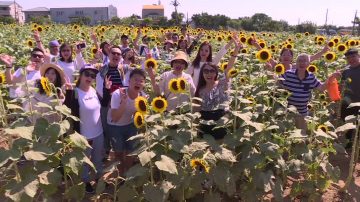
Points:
(115, 78)
(300, 89)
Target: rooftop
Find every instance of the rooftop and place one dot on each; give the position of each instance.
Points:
(6, 3)
(151, 7)
(37, 9)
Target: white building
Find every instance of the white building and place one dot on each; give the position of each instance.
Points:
(12, 9)
(36, 12)
(96, 14)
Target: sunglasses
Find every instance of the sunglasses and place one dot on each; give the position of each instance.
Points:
(37, 56)
(208, 71)
(115, 53)
(89, 74)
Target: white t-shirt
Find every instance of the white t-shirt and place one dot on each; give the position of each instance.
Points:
(89, 111)
(70, 67)
(175, 100)
(31, 77)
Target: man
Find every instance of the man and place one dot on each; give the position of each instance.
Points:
(351, 87)
(124, 42)
(32, 72)
(54, 49)
(113, 70)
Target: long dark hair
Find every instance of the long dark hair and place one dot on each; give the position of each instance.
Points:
(57, 83)
(64, 45)
(102, 47)
(179, 42)
(202, 81)
(196, 62)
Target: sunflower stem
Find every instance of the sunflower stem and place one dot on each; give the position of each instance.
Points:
(354, 156)
(3, 111)
(236, 104)
(148, 149)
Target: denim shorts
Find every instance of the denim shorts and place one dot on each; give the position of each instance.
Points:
(119, 136)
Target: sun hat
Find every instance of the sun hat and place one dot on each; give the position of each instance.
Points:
(180, 55)
(46, 66)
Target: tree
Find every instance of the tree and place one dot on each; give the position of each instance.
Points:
(306, 27)
(115, 21)
(81, 20)
(261, 22)
(41, 20)
(7, 20)
(176, 18)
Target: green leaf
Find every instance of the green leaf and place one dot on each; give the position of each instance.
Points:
(38, 153)
(76, 192)
(79, 140)
(27, 186)
(270, 149)
(212, 197)
(225, 155)
(125, 194)
(145, 157)
(14, 106)
(24, 132)
(135, 171)
(43, 105)
(344, 128)
(166, 164)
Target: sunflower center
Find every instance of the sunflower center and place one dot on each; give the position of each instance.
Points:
(174, 86)
(264, 55)
(142, 105)
(312, 69)
(150, 64)
(323, 129)
(278, 69)
(329, 56)
(182, 84)
(139, 120)
(159, 104)
(341, 48)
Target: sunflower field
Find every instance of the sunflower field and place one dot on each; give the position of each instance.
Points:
(263, 157)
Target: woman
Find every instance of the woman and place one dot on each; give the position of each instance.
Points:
(120, 118)
(52, 80)
(67, 63)
(85, 104)
(183, 44)
(214, 95)
(128, 64)
(205, 55)
(178, 64)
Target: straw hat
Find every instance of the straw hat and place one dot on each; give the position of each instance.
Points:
(180, 55)
(46, 66)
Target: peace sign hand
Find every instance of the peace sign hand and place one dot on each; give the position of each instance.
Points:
(68, 85)
(108, 82)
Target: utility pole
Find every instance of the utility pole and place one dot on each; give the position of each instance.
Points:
(176, 3)
(354, 23)
(326, 18)
(16, 17)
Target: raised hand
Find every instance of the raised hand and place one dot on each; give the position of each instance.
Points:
(123, 96)
(68, 85)
(108, 83)
(7, 59)
(93, 36)
(36, 36)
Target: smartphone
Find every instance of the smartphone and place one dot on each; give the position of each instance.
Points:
(81, 45)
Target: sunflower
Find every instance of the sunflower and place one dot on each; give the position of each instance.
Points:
(2, 78)
(34, 26)
(139, 120)
(331, 43)
(322, 96)
(45, 85)
(312, 68)
(262, 44)
(342, 48)
(232, 73)
(324, 128)
(249, 41)
(252, 100)
(151, 63)
(309, 107)
(336, 40)
(324, 103)
(223, 66)
(306, 33)
(330, 56)
(289, 46)
(286, 93)
(159, 104)
(181, 85)
(242, 80)
(30, 43)
(279, 69)
(75, 27)
(219, 38)
(94, 50)
(199, 164)
(352, 42)
(141, 105)
(264, 55)
(243, 39)
(39, 29)
(209, 37)
(244, 50)
(173, 86)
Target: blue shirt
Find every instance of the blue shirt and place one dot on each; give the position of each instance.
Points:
(300, 89)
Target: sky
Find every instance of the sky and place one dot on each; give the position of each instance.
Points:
(340, 13)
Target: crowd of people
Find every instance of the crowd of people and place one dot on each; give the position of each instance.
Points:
(103, 97)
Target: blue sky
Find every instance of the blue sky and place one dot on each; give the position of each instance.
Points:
(340, 12)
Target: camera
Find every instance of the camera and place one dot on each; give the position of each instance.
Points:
(81, 45)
